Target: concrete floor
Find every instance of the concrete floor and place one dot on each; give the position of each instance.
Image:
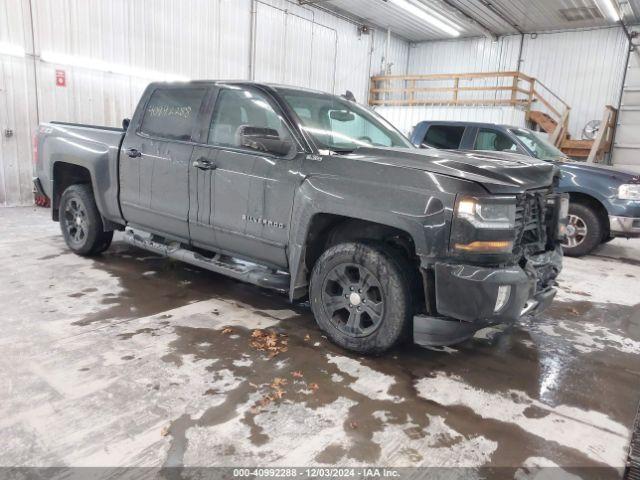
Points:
(134, 360)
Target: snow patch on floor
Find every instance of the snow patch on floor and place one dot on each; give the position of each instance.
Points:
(437, 445)
(369, 382)
(598, 280)
(293, 431)
(593, 433)
(588, 337)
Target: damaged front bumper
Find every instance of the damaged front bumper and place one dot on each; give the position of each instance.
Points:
(469, 298)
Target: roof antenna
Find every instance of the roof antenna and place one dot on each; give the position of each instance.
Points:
(349, 96)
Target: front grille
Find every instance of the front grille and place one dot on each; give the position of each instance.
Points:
(531, 215)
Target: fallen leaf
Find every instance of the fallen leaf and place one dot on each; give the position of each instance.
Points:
(353, 425)
(269, 341)
(165, 430)
(574, 311)
(314, 387)
(297, 374)
(278, 382)
(227, 330)
(307, 337)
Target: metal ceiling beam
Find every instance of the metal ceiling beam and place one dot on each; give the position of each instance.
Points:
(312, 2)
(472, 20)
(496, 11)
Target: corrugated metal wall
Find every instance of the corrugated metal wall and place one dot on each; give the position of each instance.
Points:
(585, 68)
(398, 60)
(464, 56)
(138, 41)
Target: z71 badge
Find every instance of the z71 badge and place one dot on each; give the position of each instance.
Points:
(263, 221)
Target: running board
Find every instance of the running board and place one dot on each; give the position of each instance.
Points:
(231, 267)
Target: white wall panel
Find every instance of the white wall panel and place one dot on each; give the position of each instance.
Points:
(584, 68)
(199, 39)
(398, 54)
(195, 39)
(464, 56)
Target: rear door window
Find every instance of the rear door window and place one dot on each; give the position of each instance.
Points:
(494, 141)
(172, 113)
(445, 137)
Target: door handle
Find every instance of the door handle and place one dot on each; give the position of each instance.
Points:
(133, 153)
(204, 163)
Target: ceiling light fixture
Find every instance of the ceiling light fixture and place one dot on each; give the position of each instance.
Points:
(611, 10)
(94, 64)
(11, 49)
(423, 14)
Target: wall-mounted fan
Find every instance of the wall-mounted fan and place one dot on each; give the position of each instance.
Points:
(591, 129)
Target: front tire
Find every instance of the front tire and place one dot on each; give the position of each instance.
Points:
(361, 296)
(81, 223)
(584, 231)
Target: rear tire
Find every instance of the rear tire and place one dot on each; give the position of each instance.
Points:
(362, 297)
(584, 232)
(81, 223)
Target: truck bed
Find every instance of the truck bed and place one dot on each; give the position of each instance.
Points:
(90, 147)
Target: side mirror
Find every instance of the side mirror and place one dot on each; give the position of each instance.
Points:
(125, 124)
(263, 140)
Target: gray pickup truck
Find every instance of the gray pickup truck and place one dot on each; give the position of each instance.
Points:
(311, 194)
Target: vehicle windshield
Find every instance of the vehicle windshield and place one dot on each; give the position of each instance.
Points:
(340, 125)
(540, 147)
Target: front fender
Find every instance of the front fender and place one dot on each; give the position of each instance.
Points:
(425, 213)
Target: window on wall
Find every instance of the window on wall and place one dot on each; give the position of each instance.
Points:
(494, 141)
(172, 113)
(445, 137)
(238, 108)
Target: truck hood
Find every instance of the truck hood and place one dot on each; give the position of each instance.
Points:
(614, 173)
(503, 173)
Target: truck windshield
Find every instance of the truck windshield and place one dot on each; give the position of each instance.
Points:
(340, 125)
(540, 148)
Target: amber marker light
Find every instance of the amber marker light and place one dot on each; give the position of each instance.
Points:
(490, 247)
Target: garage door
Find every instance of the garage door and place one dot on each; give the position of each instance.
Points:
(17, 118)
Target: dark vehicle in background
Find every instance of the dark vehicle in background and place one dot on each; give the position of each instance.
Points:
(311, 194)
(605, 201)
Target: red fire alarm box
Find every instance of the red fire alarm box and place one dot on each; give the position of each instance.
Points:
(61, 78)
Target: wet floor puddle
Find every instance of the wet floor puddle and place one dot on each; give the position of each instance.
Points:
(379, 393)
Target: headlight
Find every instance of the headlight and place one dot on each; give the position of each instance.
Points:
(629, 192)
(496, 213)
(484, 225)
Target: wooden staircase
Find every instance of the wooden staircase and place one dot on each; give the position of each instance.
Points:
(590, 150)
(543, 120)
(545, 111)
